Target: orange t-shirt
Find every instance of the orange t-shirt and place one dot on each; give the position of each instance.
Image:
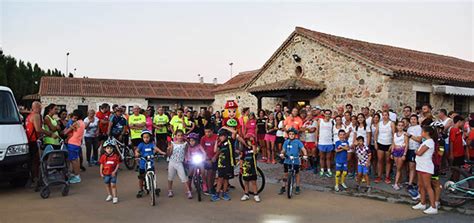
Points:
(78, 134)
(293, 122)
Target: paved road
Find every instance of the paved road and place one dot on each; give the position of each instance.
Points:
(86, 204)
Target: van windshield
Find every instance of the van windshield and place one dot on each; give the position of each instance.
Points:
(8, 111)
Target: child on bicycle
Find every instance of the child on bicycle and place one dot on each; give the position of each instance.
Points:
(109, 165)
(144, 149)
(342, 146)
(363, 162)
(292, 147)
(195, 157)
(224, 149)
(177, 152)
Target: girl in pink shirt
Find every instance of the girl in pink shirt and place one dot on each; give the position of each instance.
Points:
(251, 125)
(76, 132)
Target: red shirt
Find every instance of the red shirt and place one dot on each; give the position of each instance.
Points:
(103, 126)
(470, 139)
(109, 163)
(455, 139)
(31, 133)
(208, 144)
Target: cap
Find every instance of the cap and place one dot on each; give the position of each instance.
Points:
(231, 104)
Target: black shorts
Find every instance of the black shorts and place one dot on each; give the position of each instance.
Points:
(287, 166)
(226, 172)
(136, 142)
(384, 148)
(33, 148)
(208, 165)
(411, 155)
(435, 175)
(102, 137)
(279, 140)
(250, 178)
(458, 161)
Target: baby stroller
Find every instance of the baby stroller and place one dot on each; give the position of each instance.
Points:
(54, 170)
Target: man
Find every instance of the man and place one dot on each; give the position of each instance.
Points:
(456, 146)
(277, 108)
(104, 118)
(136, 123)
(349, 108)
(293, 121)
(340, 110)
(425, 112)
(392, 115)
(368, 118)
(407, 112)
(161, 123)
(34, 129)
(317, 112)
(117, 125)
(179, 121)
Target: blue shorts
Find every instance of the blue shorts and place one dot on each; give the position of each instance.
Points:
(341, 166)
(326, 148)
(364, 170)
(109, 179)
(73, 152)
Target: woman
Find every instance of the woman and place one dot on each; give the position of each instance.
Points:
(62, 122)
(384, 135)
(149, 119)
(261, 131)
(270, 137)
(90, 137)
(280, 133)
(51, 125)
(373, 127)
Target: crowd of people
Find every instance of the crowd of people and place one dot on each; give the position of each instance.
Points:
(411, 149)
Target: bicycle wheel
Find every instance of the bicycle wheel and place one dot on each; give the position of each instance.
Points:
(290, 185)
(129, 158)
(260, 181)
(453, 195)
(151, 187)
(198, 185)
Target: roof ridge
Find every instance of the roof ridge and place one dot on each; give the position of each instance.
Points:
(106, 79)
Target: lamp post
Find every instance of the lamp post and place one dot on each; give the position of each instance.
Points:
(231, 64)
(67, 61)
(75, 71)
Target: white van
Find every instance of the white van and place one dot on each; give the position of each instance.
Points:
(14, 153)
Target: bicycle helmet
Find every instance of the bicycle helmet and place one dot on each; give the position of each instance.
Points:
(109, 142)
(223, 132)
(231, 123)
(146, 131)
(194, 136)
(437, 124)
(293, 130)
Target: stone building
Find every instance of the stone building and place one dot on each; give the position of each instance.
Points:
(321, 69)
(89, 93)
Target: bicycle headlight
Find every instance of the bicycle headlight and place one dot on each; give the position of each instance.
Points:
(197, 159)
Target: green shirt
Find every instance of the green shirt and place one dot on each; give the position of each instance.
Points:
(161, 120)
(136, 119)
(177, 123)
(50, 140)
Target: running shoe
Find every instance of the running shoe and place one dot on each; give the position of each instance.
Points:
(140, 193)
(170, 193)
(189, 195)
(431, 210)
(321, 173)
(256, 198)
(378, 180)
(115, 200)
(109, 198)
(419, 206)
(387, 180)
(215, 197)
(225, 196)
(245, 197)
(329, 174)
(344, 185)
(297, 190)
(336, 188)
(396, 187)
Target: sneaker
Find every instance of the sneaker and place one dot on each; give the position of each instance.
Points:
(419, 206)
(297, 190)
(245, 197)
(140, 193)
(378, 180)
(431, 210)
(189, 195)
(109, 198)
(256, 198)
(206, 193)
(344, 185)
(329, 174)
(321, 173)
(387, 180)
(368, 189)
(115, 200)
(75, 179)
(396, 187)
(225, 196)
(215, 197)
(170, 193)
(336, 188)
(416, 198)
(282, 191)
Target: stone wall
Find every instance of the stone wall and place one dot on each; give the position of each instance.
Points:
(244, 99)
(173, 104)
(92, 102)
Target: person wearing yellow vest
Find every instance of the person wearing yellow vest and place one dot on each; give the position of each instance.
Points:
(136, 123)
(178, 121)
(161, 123)
(50, 124)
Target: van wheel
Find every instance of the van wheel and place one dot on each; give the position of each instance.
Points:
(19, 182)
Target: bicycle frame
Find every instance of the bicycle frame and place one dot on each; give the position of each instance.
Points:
(149, 172)
(457, 187)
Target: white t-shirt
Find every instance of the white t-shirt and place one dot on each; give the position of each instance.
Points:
(310, 137)
(363, 132)
(414, 131)
(368, 121)
(92, 129)
(392, 116)
(335, 132)
(385, 133)
(279, 132)
(325, 132)
(350, 129)
(424, 162)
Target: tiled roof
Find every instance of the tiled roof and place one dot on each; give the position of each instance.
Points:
(92, 87)
(398, 60)
(293, 83)
(238, 81)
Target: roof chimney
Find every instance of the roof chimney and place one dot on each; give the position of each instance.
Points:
(201, 79)
(214, 81)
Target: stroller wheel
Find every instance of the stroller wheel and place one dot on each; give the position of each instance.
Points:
(45, 192)
(65, 191)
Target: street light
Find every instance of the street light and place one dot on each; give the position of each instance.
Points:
(230, 64)
(75, 71)
(67, 61)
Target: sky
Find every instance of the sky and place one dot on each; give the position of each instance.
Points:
(177, 41)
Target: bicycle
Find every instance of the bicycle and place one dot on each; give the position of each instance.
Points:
(126, 154)
(150, 180)
(197, 161)
(291, 179)
(458, 193)
(260, 177)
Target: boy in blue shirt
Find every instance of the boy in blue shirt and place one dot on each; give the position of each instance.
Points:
(342, 146)
(292, 147)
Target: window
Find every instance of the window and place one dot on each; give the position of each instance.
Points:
(83, 108)
(299, 71)
(61, 107)
(422, 98)
(8, 111)
(461, 105)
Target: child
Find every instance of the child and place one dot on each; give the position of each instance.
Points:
(398, 151)
(224, 149)
(145, 148)
(195, 149)
(74, 143)
(208, 141)
(177, 151)
(363, 162)
(249, 166)
(342, 146)
(440, 144)
(424, 169)
(109, 165)
(292, 147)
